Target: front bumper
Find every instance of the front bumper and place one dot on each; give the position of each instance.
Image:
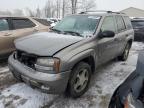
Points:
(49, 83)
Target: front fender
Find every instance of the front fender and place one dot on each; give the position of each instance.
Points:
(78, 57)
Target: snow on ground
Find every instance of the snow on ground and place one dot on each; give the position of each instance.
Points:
(22, 96)
(4, 70)
(105, 80)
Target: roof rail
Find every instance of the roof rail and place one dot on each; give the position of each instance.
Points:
(84, 12)
(116, 12)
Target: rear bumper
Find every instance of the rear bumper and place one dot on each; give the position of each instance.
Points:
(49, 83)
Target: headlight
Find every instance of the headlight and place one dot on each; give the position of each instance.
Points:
(48, 64)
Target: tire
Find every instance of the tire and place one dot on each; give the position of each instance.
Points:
(79, 80)
(125, 54)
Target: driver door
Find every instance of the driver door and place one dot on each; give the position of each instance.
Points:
(107, 46)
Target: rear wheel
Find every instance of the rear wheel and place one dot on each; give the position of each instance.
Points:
(79, 80)
(125, 54)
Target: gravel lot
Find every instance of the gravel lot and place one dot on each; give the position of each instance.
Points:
(106, 79)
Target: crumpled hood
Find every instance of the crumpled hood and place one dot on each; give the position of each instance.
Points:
(46, 43)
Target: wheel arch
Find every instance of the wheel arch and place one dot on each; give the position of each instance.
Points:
(87, 56)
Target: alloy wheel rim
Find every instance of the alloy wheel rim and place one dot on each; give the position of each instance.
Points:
(81, 80)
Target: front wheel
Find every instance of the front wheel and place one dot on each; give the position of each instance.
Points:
(125, 54)
(79, 80)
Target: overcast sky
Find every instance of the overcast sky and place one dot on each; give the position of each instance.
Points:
(114, 5)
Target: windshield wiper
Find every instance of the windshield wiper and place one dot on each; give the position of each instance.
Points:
(56, 30)
(73, 32)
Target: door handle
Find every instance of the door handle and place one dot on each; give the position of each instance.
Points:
(7, 34)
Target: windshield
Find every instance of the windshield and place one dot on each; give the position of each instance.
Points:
(83, 24)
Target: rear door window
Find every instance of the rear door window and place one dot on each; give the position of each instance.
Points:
(4, 25)
(43, 21)
(108, 24)
(22, 23)
(128, 22)
(120, 24)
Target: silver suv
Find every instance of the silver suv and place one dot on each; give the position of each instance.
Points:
(64, 59)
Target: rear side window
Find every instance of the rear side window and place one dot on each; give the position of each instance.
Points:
(43, 21)
(54, 20)
(128, 22)
(138, 23)
(108, 24)
(4, 25)
(120, 23)
(22, 23)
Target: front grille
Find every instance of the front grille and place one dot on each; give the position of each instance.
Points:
(26, 58)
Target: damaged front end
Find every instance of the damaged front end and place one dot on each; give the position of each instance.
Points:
(25, 58)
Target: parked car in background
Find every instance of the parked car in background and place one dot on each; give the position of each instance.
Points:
(130, 94)
(66, 57)
(138, 25)
(12, 28)
(53, 21)
(43, 21)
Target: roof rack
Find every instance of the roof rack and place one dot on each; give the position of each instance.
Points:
(138, 18)
(98, 11)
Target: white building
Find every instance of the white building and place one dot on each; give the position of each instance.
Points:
(133, 12)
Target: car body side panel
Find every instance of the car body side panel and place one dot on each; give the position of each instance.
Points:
(7, 37)
(6, 42)
(22, 32)
(78, 57)
(107, 49)
(75, 53)
(39, 27)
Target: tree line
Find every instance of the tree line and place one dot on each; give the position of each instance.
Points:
(55, 8)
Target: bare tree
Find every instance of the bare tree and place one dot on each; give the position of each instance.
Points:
(30, 12)
(55, 8)
(8, 12)
(63, 8)
(47, 9)
(18, 12)
(88, 5)
(50, 9)
(38, 12)
(5, 13)
(58, 8)
(74, 6)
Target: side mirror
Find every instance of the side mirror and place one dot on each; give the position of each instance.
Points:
(107, 34)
